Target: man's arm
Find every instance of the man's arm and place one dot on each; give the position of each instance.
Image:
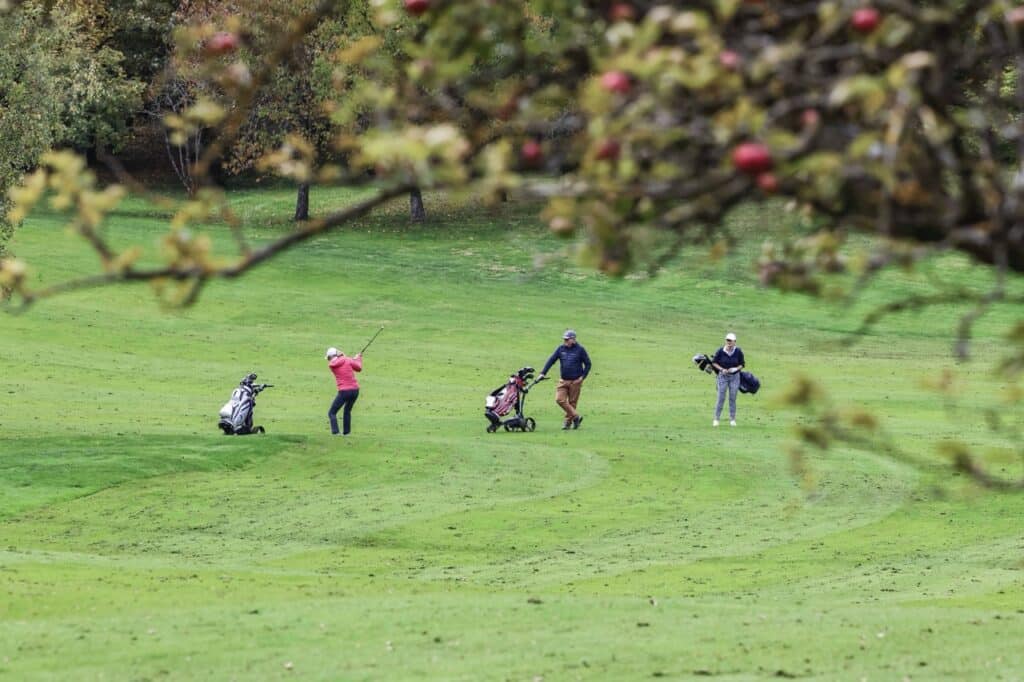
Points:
(551, 361)
(587, 364)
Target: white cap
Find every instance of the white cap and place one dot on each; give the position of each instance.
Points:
(332, 352)
(730, 337)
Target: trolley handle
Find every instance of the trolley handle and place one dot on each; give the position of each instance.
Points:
(534, 383)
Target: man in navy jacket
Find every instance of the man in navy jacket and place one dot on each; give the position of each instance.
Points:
(575, 365)
(729, 362)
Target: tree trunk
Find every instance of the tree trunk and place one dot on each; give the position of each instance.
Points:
(302, 203)
(416, 210)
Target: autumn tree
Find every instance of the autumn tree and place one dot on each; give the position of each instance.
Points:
(28, 117)
(59, 86)
(293, 107)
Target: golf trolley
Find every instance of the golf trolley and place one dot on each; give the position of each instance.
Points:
(508, 397)
(236, 415)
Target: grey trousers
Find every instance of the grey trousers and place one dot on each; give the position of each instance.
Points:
(730, 383)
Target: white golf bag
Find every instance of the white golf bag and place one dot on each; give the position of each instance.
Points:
(237, 413)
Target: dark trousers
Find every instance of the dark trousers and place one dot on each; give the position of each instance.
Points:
(344, 399)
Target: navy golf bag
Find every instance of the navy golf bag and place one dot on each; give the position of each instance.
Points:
(237, 413)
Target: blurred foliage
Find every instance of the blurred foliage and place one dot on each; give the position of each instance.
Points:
(823, 425)
(631, 117)
(293, 99)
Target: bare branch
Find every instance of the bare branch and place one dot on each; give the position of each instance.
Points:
(201, 275)
(965, 463)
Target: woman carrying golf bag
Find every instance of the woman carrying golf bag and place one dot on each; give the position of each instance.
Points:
(344, 369)
(729, 362)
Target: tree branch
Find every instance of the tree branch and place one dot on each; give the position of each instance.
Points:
(201, 275)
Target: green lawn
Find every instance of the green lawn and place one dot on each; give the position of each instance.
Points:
(137, 543)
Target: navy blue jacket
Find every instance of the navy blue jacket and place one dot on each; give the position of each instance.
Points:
(574, 362)
(726, 361)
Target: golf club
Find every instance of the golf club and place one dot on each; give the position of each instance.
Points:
(371, 340)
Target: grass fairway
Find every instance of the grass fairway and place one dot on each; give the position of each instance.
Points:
(138, 543)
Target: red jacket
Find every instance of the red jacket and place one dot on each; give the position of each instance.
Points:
(344, 369)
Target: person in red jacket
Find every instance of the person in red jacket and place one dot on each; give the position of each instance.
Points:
(344, 370)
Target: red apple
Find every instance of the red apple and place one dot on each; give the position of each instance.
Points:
(531, 153)
(608, 150)
(622, 11)
(865, 20)
(730, 60)
(752, 158)
(768, 183)
(616, 81)
(222, 43)
(810, 118)
(417, 7)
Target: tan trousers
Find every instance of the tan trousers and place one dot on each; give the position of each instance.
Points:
(567, 394)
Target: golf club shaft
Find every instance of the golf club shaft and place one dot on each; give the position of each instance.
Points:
(371, 340)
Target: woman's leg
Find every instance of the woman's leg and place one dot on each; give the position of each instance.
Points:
(734, 387)
(332, 414)
(350, 400)
(723, 386)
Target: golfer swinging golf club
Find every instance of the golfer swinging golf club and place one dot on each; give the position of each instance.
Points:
(728, 360)
(575, 365)
(344, 369)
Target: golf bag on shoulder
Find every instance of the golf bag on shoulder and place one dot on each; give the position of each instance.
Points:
(748, 382)
(237, 413)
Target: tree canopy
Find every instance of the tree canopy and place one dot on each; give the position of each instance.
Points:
(897, 119)
(60, 85)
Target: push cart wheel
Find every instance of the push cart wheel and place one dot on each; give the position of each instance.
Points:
(507, 427)
(531, 425)
(492, 428)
